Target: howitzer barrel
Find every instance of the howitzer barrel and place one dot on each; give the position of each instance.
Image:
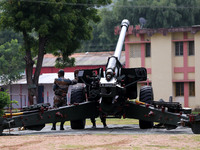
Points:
(125, 24)
(112, 63)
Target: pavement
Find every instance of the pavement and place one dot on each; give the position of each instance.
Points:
(112, 129)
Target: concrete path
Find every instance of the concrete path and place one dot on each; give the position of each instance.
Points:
(112, 129)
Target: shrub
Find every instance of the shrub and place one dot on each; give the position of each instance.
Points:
(4, 101)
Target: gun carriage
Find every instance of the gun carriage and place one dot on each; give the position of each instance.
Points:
(109, 93)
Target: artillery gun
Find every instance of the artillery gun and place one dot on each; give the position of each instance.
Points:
(109, 93)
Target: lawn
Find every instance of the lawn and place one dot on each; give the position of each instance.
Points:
(109, 121)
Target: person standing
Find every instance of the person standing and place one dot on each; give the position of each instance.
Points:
(95, 79)
(60, 89)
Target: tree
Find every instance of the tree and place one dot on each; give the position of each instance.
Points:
(11, 62)
(165, 13)
(58, 24)
(103, 37)
(159, 13)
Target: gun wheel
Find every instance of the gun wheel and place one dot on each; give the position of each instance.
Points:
(78, 96)
(146, 95)
(1, 130)
(77, 124)
(35, 127)
(196, 128)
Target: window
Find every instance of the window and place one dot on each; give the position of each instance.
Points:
(148, 50)
(178, 48)
(135, 51)
(191, 88)
(179, 89)
(191, 48)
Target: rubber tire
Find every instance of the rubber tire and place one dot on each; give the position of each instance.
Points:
(146, 95)
(35, 127)
(196, 128)
(1, 130)
(77, 96)
(77, 124)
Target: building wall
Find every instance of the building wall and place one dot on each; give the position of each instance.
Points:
(48, 93)
(135, 59)
(161, 50)
(196, 102)
(19, 93)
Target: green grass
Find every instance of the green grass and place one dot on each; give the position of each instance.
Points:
(114, 121)
(108, 121)
(196, 138)
(195, 112)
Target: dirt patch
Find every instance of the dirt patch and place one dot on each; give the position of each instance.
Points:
(100, 142)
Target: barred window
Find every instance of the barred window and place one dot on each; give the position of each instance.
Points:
(179, 89)
(191, 48)
(178, 48)
(148, 50)
(192, 89)
(135, 50)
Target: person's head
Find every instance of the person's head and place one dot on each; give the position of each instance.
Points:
(61, 73)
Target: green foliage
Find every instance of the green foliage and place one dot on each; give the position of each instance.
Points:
(62, 62)
(4, 101)
(166, 14)
(159, 13)
(8, 35)
(103, 37)
(63, 24)
(11, 62)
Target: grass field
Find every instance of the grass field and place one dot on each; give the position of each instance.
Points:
(114, 121)
(109, 121)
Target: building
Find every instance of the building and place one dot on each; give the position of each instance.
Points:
(171, 56)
